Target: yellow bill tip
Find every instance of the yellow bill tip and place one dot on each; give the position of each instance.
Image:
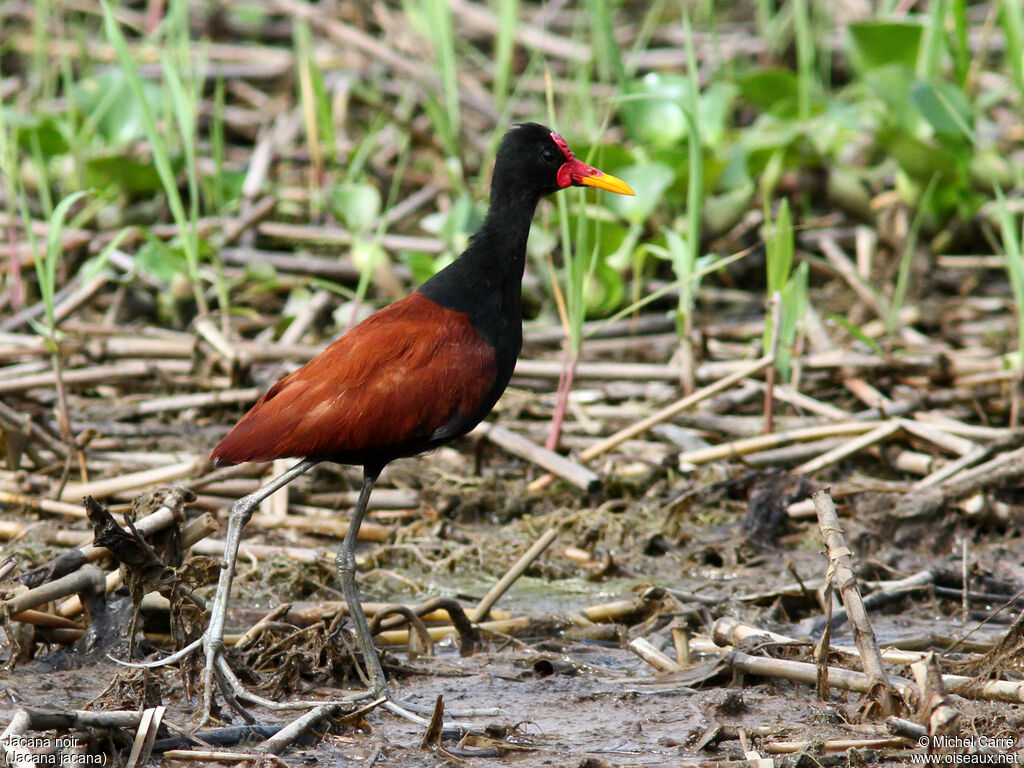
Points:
(608, 182)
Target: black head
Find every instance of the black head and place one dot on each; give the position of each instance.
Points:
(536, 161)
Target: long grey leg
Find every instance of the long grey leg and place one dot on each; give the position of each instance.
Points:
(241, 512)
(346, 562)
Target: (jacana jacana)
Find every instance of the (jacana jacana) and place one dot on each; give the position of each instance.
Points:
(411, 377)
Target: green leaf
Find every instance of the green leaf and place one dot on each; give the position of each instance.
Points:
(366, 254)
(108, 101)
(158, 143)
(649, 181)
(794, 309)
(717, 103)
(422, 265)
(771, 89)
(878, 43)
(944, 106)
(227, 183)
(723, 211)
(653, 110)
(126, 173)
(357, 204)
(921, 160)
(160, 261)
(456, 225)
(603, 290)
(44, 130)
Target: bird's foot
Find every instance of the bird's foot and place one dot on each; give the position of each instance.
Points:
(217, 674)
(177, 656)
(235, 693)
(414, 712)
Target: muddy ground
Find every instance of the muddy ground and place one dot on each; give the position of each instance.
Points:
(569, 691)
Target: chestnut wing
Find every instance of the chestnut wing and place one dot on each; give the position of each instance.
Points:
(411, 372)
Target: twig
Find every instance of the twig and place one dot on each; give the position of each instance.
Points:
(12, 740)
(840, 572)
(803, 672)
(95, 374)
(664, 414)
(555, 463)
(277, 743)
(88, 579)
(145, 736)
(936, 707)
(44, 505)
(833, 745)
(886, 592)
(101, 489)
(660, 661)
(518, 569)
(193, 756)
(747, 445)
(877, 435)
(502, 627)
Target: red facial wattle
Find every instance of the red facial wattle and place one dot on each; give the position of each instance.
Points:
(576, 172)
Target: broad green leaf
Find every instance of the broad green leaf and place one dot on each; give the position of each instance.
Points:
(878, 43)
(161, 261)
(723, 211)
(357, 204)
(649, 181)
(125, 173)
(919, 159)
(653, 109)
(46, 130)
(603, 290)
(367, 254)
(108, 101)
(944, 106)
(456, 225)
(716, 107)
(771, 89)
(422, 265)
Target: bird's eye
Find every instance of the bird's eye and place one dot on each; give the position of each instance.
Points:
(550, 155)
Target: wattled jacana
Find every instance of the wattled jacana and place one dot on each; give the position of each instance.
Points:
(411, 377)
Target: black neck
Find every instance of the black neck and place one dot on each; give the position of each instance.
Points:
(485, 281)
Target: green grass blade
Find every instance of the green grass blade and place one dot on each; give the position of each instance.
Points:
(779, 247)
(804, 57)
(504, 48)
(1014, 264)
(695, 182)
(903, 275)
(158, 146)
(934, 48)
(606, 50)
(1011, 18)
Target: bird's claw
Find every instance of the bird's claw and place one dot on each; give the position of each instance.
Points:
(174, 657)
